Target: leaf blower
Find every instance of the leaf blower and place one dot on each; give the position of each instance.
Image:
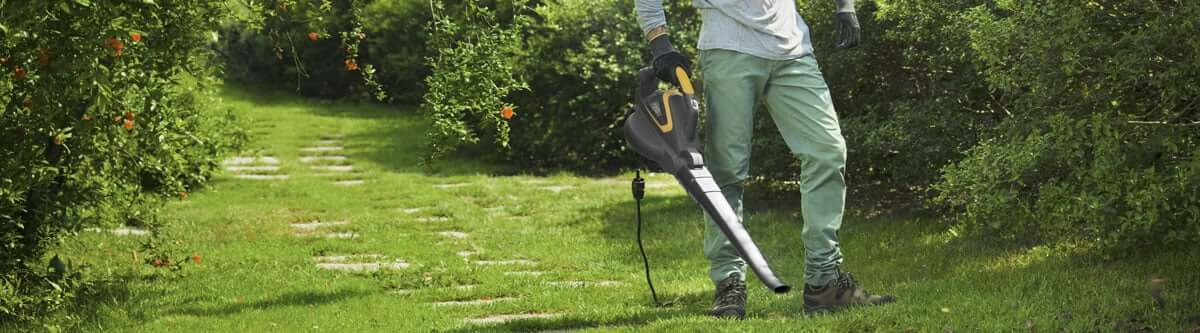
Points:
(662, 128)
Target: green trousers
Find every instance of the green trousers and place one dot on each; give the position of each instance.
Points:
(800, 105)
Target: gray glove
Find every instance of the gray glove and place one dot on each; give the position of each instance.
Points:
(847, 24)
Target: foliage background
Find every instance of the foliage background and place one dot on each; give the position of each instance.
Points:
(105, 115)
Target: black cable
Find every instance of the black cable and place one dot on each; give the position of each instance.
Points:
(639, 191)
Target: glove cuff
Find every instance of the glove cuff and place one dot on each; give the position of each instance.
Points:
(845, 6)
(661, 45)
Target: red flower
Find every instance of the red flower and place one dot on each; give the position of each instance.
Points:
(129, 115)
(136, 37)
(313, 36)
(19, 73)
(351, 65)
(115, 44)
(128, 124)
(506, 113)
(196, 259)
(43, 56)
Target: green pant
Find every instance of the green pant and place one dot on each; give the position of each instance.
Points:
(798, 100)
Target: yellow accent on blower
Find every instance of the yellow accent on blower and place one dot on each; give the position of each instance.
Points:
(670, 125)
(684, 82)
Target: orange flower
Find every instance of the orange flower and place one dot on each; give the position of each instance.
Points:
(196, 259)
(136, 37)
(115, 44)
(351, 65)
(313, 36)
(129, 115)
(183, 195)
(128, 124)
(506, 112)
(19, 73)
(43, 56)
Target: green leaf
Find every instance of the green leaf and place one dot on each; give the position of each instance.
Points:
(85, 3)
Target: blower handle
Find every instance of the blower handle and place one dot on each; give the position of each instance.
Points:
(685, 83)
(648, 82)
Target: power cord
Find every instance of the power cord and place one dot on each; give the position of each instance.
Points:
(639, 192)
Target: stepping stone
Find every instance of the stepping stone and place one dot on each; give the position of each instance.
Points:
(339, 263)
(402, 291)
(314, 225)
(362, 267)
(350, 182)
(445, 186)
(465, 254)
(535, 181)
(495, 319)
(433, 219)
(260, 177)
(328, 143)
(481, 301)
(342, 235)
(122, 231)
(343, 258)
(237, 168)
(326, 148)
(577, 284)
(558, 188)
(242, 160)
(454, 234)
(325, 158)
(465, 287)
(505, 262)
(524, 273)
(334, 168)
(658, 185)
(412, 210)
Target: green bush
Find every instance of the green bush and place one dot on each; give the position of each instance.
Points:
(1101, 145)
(398, 44)
(580, 63)
(473, 71)
(104, 117)
(313, 46)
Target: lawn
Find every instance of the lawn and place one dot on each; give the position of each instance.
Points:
(473, 246)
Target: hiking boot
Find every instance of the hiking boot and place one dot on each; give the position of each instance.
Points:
(839, 293)
(730, 301)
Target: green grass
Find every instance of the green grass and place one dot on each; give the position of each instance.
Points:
(256, 274)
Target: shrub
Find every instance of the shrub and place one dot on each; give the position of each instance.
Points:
(473, 72)
(580, 63)
(1102, 142)
(398, 43)
(103, 118)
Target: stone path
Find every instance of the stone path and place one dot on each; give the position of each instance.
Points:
(324, 157)
(496, 319)
(254, 168)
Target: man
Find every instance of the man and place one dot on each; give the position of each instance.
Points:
(758, 51)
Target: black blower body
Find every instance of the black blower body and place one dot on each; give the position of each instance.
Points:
(662, 128)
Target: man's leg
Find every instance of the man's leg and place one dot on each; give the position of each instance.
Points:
(733, 83)
(799, 102)
(802, 109)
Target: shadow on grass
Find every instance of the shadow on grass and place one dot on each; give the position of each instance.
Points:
(300, 298)
(647, 313)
